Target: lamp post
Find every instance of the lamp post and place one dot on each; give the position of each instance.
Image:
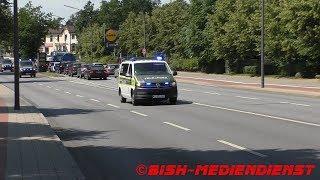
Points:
(262, 44)
(16, 56)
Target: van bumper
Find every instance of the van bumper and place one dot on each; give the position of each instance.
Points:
(155, 93)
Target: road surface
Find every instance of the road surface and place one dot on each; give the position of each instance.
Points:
(209, 125)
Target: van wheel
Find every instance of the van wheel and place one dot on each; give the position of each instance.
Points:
(173, 101)
(122, 99)
(133, 99)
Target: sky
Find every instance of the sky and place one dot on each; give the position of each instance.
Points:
(56, 6)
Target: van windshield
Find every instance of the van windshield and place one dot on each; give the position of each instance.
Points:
(151, 68)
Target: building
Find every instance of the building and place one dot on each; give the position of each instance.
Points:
(62, 39)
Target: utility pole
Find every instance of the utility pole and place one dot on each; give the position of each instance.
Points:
(144, 34)
(262, 44)
(16, 56)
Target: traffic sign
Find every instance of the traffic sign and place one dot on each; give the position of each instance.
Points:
(111, 35)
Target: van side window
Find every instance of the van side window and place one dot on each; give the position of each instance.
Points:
(124, 69)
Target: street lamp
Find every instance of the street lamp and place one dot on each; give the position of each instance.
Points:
(16, 56)
(262, 44)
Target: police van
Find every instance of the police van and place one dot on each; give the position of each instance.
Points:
(147, 81)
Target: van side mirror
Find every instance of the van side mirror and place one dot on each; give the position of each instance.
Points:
(174, 73)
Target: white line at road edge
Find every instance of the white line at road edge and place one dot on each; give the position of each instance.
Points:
(94, 100)
(57, 89)
(135, 112)
(297, 104)
(177, 126)
(49, 87)
(213, 93)
(242, 148)
(257, 114)
(67, 92)
(113, 106)
(243, 97)
(79, 96)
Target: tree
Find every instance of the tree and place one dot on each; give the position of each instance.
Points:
(6, 25)
(132, 33)
(234, 31)
(111, 14)
(85, 17)
(33, 27)
(91, 38)
(169, 21)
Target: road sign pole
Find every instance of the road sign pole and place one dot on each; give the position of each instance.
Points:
(262, 44)
(16, 56)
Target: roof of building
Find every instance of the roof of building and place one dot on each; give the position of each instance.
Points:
(70, 28)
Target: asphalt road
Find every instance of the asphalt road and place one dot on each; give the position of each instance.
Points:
(209, 125)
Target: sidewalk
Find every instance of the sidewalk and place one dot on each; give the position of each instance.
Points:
(29, 148)
(310, 87)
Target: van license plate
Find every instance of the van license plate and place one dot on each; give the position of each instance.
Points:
(159, 96)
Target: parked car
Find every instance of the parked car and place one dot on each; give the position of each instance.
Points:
(72, 70)
(67, 67)
(7, 65)
(55, 67)
(62, 67)
(81, 70)
(27, 68)
(111, 68)
(95, 71)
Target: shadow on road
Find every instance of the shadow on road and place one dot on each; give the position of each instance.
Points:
(113, 163)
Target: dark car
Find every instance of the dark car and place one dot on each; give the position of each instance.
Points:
(6, 65)
(73, 69)
(62, 67)
(81, 70)
(95, 71)
(67, 67)
(27, 68)
(111, 68)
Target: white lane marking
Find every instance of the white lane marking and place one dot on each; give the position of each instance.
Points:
(243, 97)
(188, 90)
(49, 87)
(213, 93)
(79, 96)
(135, 112)
(177, 126)
(94, 100)
(40, 84)
(258, 114)
(297, 104)
(57, 89)
(92, 85)
(113, 106)
(241, 148)
(67, 92)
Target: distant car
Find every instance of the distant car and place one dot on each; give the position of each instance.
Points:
(27, 68)
(116, 73)
(7, 65)
(81, 70)
(62, 67)
(95, 71)
(111, 68)
(55, 67)
(66, 69)
(72, 70)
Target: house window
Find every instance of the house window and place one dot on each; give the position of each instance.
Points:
(58, 38)
(73, 36)
(65, 37)
(51, 38)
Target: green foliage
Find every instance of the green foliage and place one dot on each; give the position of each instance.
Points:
(252, 70)
(91, 39)
(108, 60)
(6, 25)
(85, 17)
(183, 64)
(33, 26)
